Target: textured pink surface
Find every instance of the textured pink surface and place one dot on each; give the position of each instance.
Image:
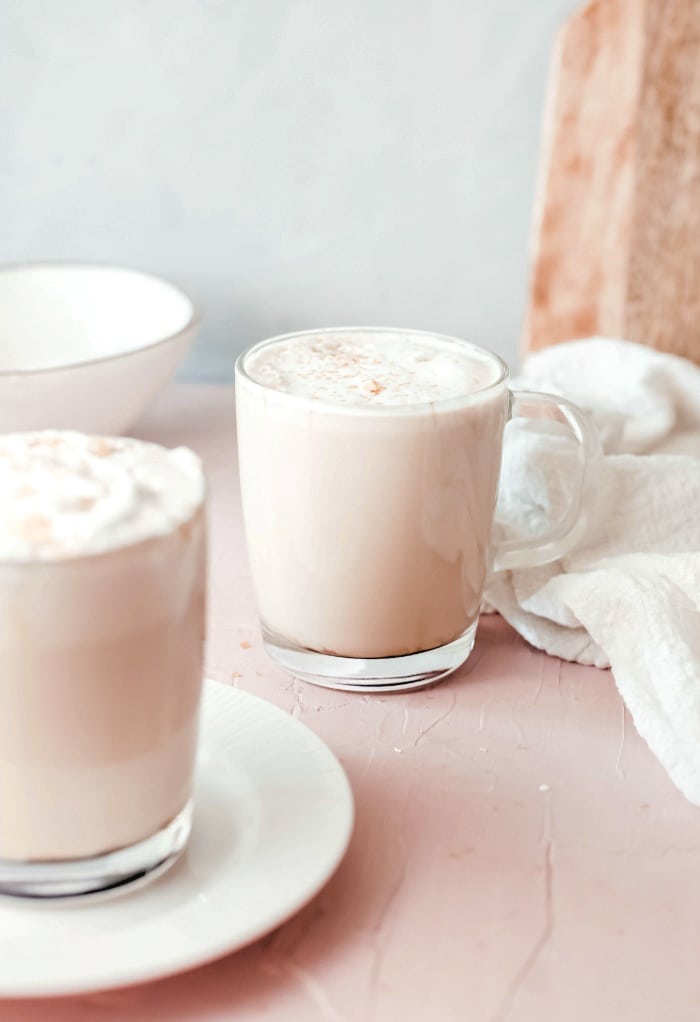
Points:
(518, 853)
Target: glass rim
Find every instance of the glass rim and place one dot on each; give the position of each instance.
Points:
(442, 404)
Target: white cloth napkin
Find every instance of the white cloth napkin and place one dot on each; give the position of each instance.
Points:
(628, 595)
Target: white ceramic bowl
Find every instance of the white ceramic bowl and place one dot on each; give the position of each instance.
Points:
(86, 347)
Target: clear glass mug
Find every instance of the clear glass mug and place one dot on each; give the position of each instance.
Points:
(102, 661)
(369, 529)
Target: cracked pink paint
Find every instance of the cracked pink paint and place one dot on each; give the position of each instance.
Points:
(524, 859)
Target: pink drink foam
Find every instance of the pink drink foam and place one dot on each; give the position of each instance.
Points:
(370, 369)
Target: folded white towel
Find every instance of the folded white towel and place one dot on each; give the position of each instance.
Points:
(628, 595)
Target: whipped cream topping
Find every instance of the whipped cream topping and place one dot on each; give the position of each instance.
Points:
(65, 494)
(370, 369)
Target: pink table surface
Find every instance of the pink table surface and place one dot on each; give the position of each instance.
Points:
(518, 853)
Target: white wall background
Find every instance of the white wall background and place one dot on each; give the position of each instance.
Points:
(293, 163)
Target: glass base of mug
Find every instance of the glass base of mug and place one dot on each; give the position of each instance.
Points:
(125, 867)
(378, 674)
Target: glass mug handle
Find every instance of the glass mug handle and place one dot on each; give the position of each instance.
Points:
(562, 536)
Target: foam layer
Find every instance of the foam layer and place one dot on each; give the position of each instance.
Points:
(368, 369)
(64, 494)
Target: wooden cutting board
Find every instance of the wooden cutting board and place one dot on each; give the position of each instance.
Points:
(616, 240)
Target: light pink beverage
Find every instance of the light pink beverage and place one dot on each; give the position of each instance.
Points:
(102, 596)
(369, 465)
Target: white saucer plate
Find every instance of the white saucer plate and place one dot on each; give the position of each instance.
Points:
(273, 817)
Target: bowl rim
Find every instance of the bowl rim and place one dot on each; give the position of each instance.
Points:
(192, 324)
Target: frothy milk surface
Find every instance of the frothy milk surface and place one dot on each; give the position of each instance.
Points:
(369, 369)
(64, 494)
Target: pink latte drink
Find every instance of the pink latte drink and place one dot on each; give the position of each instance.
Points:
(369, 465)
(102, 598)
